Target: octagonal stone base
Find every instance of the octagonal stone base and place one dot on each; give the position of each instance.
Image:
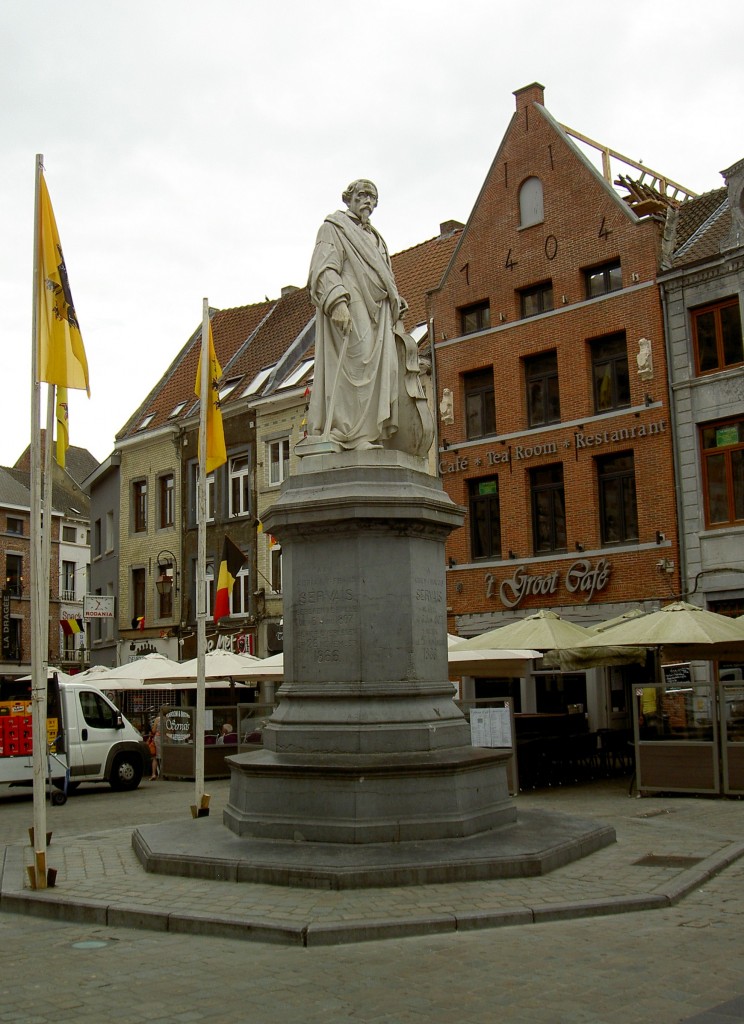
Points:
(389, 798)
(537, 843)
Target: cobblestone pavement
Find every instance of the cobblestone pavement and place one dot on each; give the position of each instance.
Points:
(684, 962)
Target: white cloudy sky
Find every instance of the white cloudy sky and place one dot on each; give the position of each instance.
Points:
(192, 148)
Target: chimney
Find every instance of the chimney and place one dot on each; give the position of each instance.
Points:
(288, 289)
(448, 227)
(530, 94)
(734, 178)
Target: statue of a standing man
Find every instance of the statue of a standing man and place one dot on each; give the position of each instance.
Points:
(366, 392)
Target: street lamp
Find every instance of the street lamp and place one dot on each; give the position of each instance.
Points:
(165, 582)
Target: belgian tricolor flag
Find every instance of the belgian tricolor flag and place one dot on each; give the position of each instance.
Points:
(232, 562)
(71, 626)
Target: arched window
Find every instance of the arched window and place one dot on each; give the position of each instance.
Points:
(531, 203)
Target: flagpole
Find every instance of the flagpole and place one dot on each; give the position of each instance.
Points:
(39, 588)
(201, 801)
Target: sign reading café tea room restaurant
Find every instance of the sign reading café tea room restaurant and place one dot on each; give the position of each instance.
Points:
(584, 577)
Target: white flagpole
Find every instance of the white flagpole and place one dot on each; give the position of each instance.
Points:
(39, 580)
(201, 802)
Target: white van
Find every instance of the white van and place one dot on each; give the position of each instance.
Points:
(89, 740)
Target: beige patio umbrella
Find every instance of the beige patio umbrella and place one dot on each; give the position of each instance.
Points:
(51, 671)
(575, 659)
(135, 674)
(681, 630)
(268, 668)
(219, 664)
(190, 684)
(543, 631)
(491, 662)
(96, 674)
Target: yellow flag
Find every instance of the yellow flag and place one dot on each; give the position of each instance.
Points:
(216, 451)
(63, 437)
(62, 358)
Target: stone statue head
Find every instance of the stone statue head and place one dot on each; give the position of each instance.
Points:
(361, 184)
(361, 199)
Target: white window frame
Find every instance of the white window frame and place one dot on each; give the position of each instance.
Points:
(243, 583)
(209, 589)
(241, 477)
(280, 446)
(210, 495)
(275, 563)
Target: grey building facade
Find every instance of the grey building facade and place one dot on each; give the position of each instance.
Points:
(702, 289)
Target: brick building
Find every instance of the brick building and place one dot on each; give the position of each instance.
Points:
(69, 563)
(554, 422)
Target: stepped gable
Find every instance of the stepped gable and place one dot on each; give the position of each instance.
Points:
(231, 329)
(419, 269)
(289, 316)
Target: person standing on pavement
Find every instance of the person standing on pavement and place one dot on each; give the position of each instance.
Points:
(154, 743)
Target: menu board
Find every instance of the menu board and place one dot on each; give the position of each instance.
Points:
(678, 675)
(490, 727)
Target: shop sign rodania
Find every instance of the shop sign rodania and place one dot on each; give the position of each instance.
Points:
(520, 451)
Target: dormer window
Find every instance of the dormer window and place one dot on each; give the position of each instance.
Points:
(258, 381)
(227, 387)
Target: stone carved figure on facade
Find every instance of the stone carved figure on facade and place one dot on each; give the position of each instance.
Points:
(447, 407)
(367, 392)
(644, 359)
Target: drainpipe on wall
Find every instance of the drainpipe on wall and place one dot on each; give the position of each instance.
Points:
(681, 535)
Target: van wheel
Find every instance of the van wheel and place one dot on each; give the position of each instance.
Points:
(126, 772)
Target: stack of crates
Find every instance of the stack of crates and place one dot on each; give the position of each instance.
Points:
(16, 733)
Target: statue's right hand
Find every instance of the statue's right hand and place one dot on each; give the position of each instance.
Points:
(341, 318)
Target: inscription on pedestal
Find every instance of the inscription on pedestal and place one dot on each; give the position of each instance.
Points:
(429, 617)
(326, 621)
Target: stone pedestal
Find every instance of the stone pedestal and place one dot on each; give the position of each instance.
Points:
(367, 744)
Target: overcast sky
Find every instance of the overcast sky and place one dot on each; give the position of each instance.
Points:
(192, 149)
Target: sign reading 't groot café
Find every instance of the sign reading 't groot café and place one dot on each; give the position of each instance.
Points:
(584, 577)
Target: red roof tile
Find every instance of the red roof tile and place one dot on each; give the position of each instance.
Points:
(231, 329)
(702, 225)
(419, 269)
(289, 316)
